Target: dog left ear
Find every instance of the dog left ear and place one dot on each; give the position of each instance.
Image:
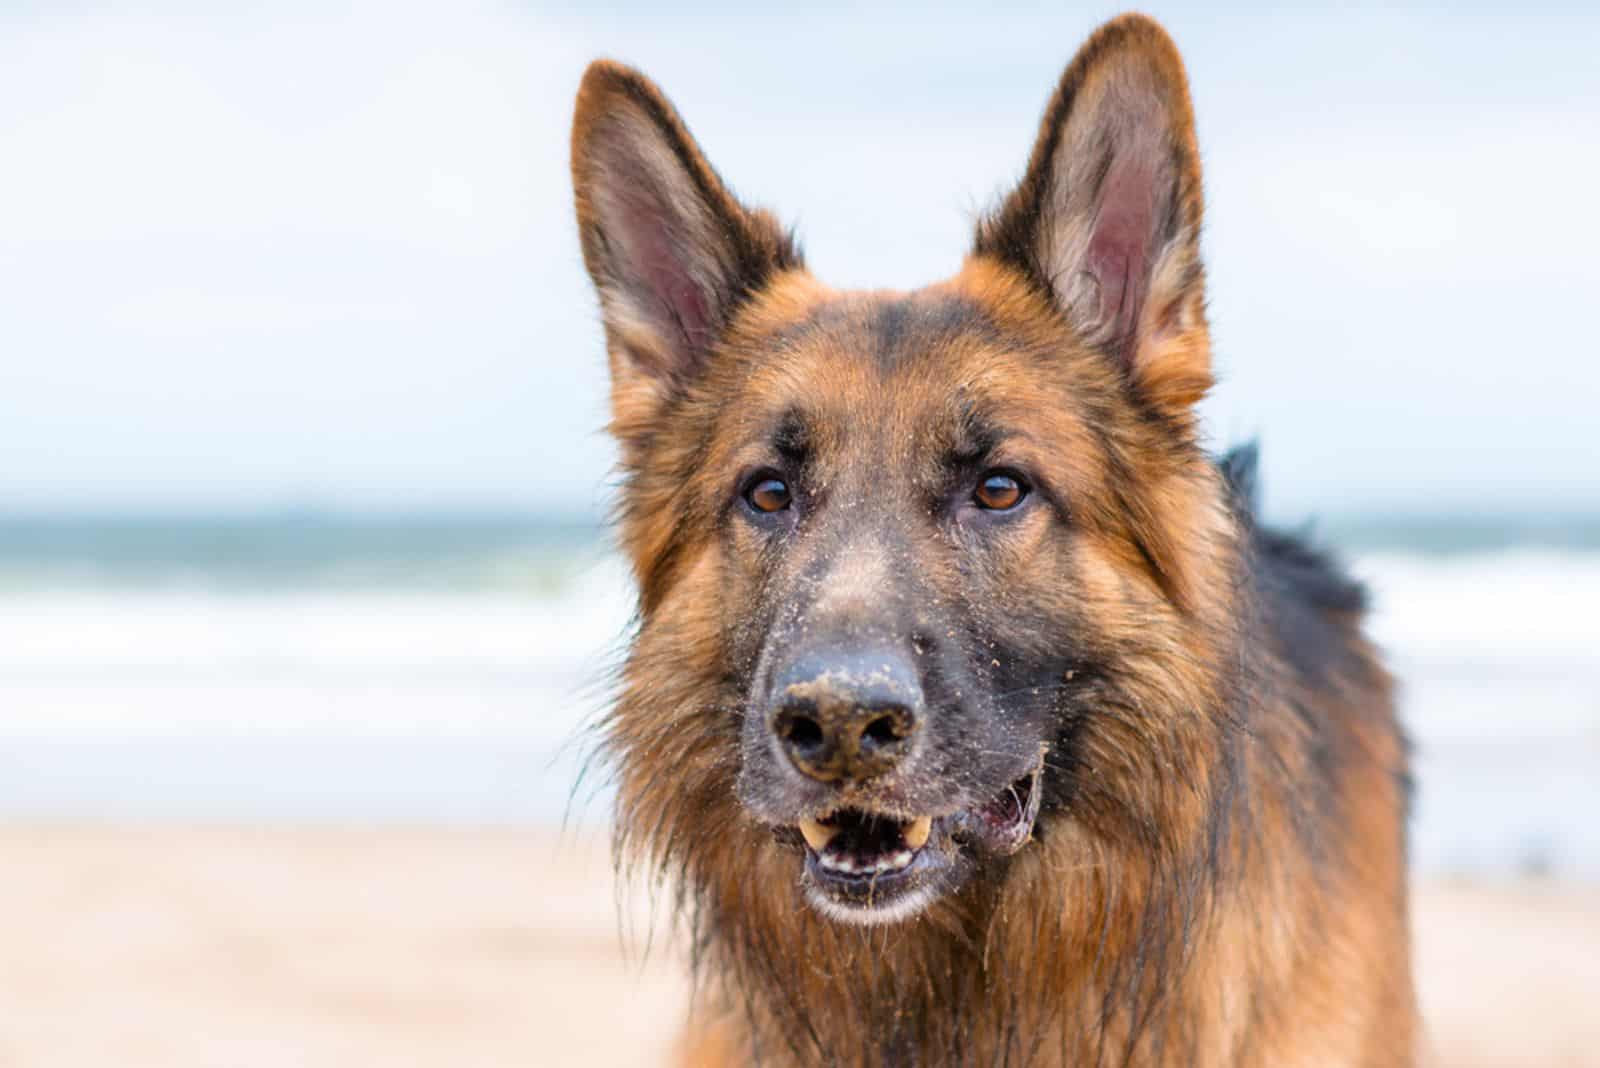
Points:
(672, 253)
(1106, 219)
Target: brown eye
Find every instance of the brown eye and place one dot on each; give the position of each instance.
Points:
(999, 492)
(768, 495)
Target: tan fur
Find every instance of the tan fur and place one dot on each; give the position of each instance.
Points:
(1198, 903)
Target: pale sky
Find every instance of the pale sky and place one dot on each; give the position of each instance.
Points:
(263, 259)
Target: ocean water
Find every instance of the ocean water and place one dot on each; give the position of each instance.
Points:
(302, 668)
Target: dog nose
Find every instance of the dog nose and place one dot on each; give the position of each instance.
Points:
(847, 718)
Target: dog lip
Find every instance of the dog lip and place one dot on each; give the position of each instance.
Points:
(1005, 824)
(868, 866)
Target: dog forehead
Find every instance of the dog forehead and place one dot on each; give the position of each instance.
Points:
(887, 331)
(901, 366)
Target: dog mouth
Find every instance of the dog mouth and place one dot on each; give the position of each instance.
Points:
(853, 842)
(868, 867)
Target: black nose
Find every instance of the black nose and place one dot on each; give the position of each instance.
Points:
(847, 716)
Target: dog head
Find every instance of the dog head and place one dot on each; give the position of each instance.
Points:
(923, 576)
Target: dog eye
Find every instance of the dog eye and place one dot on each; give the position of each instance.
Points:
(999, 492)
(768, 495)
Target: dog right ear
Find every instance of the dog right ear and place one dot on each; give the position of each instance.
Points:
(671, 252)
(1106, 220)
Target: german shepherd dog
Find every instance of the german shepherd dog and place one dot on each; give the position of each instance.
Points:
(971, 711)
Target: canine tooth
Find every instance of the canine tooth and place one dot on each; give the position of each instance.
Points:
(816, 835)
(917, 831)
(902, 858)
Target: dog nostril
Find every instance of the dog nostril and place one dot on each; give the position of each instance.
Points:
(801, 733)
(884, 730)
(884, 734)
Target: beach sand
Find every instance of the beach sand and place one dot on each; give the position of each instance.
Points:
(245, 947)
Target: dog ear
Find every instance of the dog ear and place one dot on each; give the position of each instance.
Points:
(671, 252)
(1106, 219)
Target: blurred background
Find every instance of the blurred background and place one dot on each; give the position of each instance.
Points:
(305, 591)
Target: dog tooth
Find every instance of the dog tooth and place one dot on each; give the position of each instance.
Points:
(816, 835)
(902, 858)
(917, 831)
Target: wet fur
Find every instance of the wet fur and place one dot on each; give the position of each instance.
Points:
(1219, 873)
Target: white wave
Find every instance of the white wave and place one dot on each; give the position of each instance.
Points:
(340, 662)
(1512, 607)
(1500, 645)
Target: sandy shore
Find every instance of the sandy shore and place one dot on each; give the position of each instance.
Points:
(317, 948)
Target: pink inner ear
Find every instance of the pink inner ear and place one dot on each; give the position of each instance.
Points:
(1118, 256)
(654, 262)
(664, 271)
